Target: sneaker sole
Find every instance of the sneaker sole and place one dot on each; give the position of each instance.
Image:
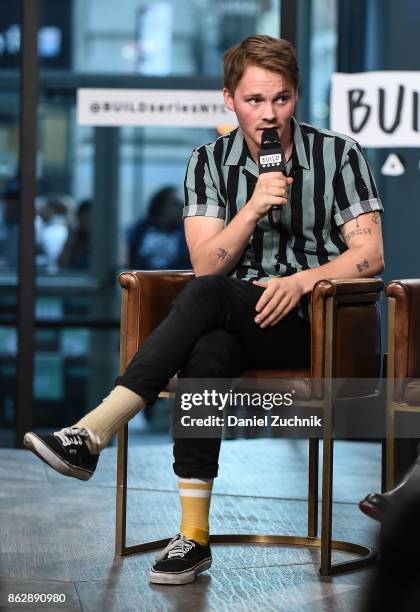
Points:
(179, 577)
(44, 452)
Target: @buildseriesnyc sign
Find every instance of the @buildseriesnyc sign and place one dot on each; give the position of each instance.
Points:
(153, 107)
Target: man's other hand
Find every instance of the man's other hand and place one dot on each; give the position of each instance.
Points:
(281, 295)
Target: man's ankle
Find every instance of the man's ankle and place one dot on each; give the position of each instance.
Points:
(198, 535)
(93, 441)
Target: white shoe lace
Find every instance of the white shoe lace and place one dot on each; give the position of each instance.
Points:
(74, 435)
(177, 547)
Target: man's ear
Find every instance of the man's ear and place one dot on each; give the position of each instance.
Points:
(228, 99)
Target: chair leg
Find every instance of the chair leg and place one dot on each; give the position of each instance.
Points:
(383, 465)
(327, 494)
(390, 437)
(390, 461)
(121, 504)
(325, 543)
(313, 488)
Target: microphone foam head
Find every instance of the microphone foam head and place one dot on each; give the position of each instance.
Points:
(269, 137)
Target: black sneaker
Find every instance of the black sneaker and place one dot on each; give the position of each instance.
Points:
(66, 451)
(180, 562)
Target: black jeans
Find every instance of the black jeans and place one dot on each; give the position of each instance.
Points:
(210, 332)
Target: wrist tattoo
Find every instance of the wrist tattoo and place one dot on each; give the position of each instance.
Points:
(357, 232)
(224, 256)
(375, 217)
(363, 265)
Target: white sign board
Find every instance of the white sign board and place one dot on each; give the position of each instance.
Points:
(158, 107)
(378, 109)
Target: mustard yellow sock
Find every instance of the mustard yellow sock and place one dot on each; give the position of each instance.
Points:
(112, 413)
(195, 496)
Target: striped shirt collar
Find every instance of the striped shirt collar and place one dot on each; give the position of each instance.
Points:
(237, 153)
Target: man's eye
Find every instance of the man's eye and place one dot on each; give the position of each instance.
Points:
(283, 99)
(254, 100)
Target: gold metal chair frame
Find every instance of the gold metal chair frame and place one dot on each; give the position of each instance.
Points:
(325, 543)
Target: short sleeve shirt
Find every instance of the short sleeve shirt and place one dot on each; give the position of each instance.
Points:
(332, 185)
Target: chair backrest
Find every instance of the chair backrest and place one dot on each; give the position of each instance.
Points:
(404, 327)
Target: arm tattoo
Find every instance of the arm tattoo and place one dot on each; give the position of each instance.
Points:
(224, 256)
(375, 217)
(357, 232)
(363, 265)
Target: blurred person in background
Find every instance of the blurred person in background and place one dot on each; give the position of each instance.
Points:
(54, 214)
(9, 226)
(158, 242)
(76, 253)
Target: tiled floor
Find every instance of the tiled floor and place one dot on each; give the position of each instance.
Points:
(57, 534)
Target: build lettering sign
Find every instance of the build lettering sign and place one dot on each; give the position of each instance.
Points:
(378, 109)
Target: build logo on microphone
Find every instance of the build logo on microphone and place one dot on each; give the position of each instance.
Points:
(273, 159)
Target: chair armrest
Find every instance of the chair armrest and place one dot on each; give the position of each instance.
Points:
(404, 326)
(146, 300)
(347, 286)
(356, 349)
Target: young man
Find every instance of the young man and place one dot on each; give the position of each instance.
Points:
(248, 306)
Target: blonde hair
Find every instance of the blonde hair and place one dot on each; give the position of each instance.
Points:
(274, 54)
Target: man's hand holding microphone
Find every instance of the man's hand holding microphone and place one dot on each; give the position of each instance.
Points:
(270, 190)
(273, 183)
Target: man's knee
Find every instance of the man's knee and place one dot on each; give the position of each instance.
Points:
(218, 341)
(207, 287)
(216, 353)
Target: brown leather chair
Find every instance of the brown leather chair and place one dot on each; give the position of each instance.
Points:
(403, 361)
(345, 343)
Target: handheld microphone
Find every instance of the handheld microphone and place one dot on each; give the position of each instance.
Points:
(271, 158)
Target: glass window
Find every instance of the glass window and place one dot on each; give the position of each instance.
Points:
(165, 37)
(323, 53)
(9, 186)
(108, 198)
(9, 212)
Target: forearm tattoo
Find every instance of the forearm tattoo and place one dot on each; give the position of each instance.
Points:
(363, 265)
(224, 256)
(375, 217)
(357, 232)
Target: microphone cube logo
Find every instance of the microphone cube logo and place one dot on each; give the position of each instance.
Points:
(274, 159)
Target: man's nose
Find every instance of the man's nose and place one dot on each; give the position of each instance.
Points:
(269, 113)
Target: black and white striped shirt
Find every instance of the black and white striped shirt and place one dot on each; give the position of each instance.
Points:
(332, 185)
